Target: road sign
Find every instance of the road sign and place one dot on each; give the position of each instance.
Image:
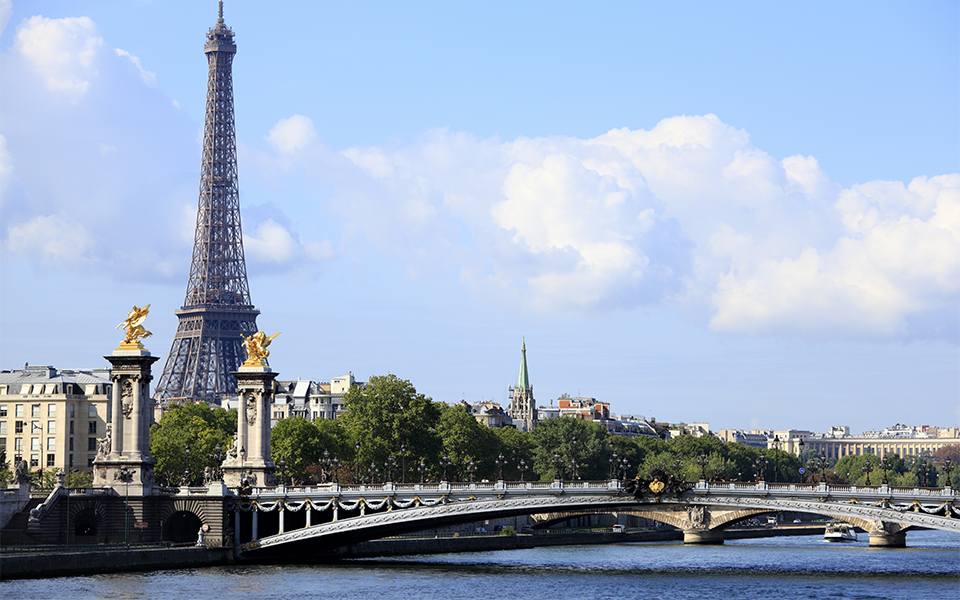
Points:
(801, 470)
(140, 525)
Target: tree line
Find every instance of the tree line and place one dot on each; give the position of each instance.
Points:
(389, 431)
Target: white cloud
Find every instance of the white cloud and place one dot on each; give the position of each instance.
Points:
(688, 214)
(272, 243)
(147, 77)
(291, 135)
(63, 52)
(6, 10)
(51, 239)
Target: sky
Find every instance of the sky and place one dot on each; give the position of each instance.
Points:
(743, 213)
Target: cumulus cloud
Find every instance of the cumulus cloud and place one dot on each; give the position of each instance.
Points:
(688, 215)
(271, 243)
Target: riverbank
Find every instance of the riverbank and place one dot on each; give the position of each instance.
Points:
(43, 565)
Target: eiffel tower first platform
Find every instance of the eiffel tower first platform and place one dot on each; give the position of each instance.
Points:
(217, 310)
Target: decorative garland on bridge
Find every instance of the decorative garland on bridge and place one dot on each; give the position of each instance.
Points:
(944, 510)
(335, 503)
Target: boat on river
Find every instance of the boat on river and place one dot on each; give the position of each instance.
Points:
(840, 532)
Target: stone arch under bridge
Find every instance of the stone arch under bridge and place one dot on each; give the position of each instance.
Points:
(181, 519)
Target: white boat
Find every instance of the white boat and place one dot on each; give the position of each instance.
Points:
(840, 532)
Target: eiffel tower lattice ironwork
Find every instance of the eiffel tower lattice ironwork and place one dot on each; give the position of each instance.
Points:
(217, 311)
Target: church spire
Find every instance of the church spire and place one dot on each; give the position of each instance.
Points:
(523, 382)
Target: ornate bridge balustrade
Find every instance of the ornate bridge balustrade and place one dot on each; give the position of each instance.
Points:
(308, 521)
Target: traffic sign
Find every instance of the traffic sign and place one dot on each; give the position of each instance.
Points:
(801, 470)
(140, 525)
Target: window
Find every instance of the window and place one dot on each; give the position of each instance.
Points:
(34, 460)
(73, 411)
(3, 443)
(18, 427)
(71, 444)
(35, 411)
(3, 427)
(3, 410)
(34, 444)
(92, 411)
(18, 410)
(50, 459)
(51, 427)
(51, 410)
(71, 460)
(90, 460)
(91, 444)
(71, 427)
(51, 443)
(92, 427)
(18, 445)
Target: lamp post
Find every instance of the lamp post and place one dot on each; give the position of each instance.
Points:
(389, 465)
(243, 455)
(186, 465)
(403, 463)
(522, 466)
(283, 472)
(924, 473)
(573, 459)
(624, 468)
(702, 461)
(760, 466)
(501, 461)
(471, 469)
(217, 456)
(776, 458)
(423, 470)
(884, 466)
(356, 462)
(948, 467)
(575, 468)
(557, 463)
(677, 468)
(373, 472)
(126, 476)
(613, 462)
(867, 468)
(444, 463)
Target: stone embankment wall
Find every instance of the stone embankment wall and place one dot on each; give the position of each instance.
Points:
(23, 566)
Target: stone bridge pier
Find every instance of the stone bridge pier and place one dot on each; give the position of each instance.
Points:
(700, 524)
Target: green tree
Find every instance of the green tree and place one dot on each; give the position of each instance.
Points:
(384, 416)
(515, 445)
(464, 440)
(568, 439)
(298, 443)
(197, 424)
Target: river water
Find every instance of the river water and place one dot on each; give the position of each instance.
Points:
(784, 568)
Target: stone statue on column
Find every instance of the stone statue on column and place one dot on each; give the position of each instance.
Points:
(248, 460)
(124, 452)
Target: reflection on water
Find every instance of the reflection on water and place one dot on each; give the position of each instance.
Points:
(797, 567)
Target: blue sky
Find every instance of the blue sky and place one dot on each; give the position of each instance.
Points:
(745, 214)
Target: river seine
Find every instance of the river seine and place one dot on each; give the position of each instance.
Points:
(771, 568)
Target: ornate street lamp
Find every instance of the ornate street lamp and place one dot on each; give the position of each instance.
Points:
(283, 471)
(217, 457)
(776, 458)
(373, 472)
(885, 466)
(423, 470)
(624, 468)
(613, 462)
(522, 466)
(471, 469)
(702, 461)
(573, 459)
(575, 468)
(501, 461)
(444, 463)
(186, 465)
(924, 472)
(126, 476)
(403, 463)
(389, 465)
(356, 462)
(557, 463)
(867, 468)
(948, 467)
(760, 466)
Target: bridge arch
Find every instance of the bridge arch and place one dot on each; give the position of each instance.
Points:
(182, 518)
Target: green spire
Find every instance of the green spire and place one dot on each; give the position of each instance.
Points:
(523, 382)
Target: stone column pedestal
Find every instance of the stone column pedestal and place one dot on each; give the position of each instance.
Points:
(123, 458)
(249, 458)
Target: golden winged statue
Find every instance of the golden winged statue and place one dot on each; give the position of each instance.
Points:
(133, 327)
(256, 346)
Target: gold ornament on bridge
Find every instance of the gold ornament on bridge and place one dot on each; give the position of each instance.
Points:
(656, 486)
(133, 328)
(256, 346)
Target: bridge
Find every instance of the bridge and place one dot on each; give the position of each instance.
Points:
(283, 522)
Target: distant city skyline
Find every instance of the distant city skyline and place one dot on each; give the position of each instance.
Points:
(744, 215)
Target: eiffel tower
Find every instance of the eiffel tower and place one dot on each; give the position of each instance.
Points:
(217, 310)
